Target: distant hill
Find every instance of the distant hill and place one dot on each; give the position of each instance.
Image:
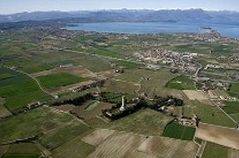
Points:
(192, 15)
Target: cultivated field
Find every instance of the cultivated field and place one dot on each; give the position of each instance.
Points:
(207, 114)
(196, 95)
(145, 121)
(98, 136)
(232, 108)
(214, 150)
(73, 149)
(19, 90)
(52, 126)
(219, 135)
(181, 83)
(56, 80)
(129, 145)
(21, 150)
(175, 130)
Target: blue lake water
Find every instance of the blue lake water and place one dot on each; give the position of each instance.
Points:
(155, 27)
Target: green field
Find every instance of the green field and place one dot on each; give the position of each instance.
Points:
(4, 76)
(119, 87)
(207, 114)
(22, 150)
(62, 135)
(73, 149)
(59, 79)
(231, 107)
(234, 90)
(20, 156)
(181, 83)
(35, 123)
(19, 90)
(127, 64)
(215, 151)
(145, 121)
(153, 82)
(175, 130)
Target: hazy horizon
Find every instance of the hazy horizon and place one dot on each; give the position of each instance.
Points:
(16, 6)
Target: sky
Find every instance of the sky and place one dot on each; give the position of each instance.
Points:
(16, 6)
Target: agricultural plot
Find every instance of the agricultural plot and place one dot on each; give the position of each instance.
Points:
(56, 80)
(145, 121)
(22, 150)
(175, 130)
(39, 122)
(127, 64)
(195, 95)
(105, 52)
(235, 116)
(219, 135)
(135, 75)
(153, 82)
(231, 107)
(120, 87)
(207, 114)
(92, 116)
(75, 148)
(120, 144)
(92, 62)
(163, 147)
(4, 112)
(56, 138)
(98, 136)
(125, 144)
(181, 83)
(19, 90)
(213, 150)
(234, 89)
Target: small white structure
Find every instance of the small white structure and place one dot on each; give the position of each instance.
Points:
(122, 108)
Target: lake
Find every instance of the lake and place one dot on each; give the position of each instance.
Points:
(154, 27)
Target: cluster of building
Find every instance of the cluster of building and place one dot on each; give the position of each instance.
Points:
(208, 34)
(185, 62)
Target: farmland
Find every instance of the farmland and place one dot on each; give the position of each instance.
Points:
(60, 79)
(38, 63)
(208, 114)
(19, 90)
(175, 130)
(181, 83)
(38, 122)
(146, 122)
(234, 90)
(139, 146)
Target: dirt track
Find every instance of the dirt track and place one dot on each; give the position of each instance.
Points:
(219, 135)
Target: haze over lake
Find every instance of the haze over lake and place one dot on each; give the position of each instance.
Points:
(155, 27)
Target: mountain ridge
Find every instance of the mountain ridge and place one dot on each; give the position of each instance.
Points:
(175, 15)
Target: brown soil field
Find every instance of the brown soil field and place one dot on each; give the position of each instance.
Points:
(76, 70)
(65, 108)
(219, 135)
(167, 148)
(233, 154)
(69, 88)
(4, 112)
(81, 112)
(121, 144)
(195, 95)
(98, 136)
